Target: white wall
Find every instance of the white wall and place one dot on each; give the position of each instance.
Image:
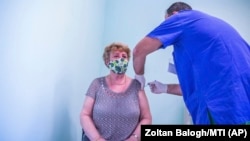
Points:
(50, 51)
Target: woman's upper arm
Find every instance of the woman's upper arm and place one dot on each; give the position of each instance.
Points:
(87, 106)
(144, 105)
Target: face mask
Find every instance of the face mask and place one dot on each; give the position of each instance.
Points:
(118, 66)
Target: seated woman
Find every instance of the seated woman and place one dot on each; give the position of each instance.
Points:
(115, 107)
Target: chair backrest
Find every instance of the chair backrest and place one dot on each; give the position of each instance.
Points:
(84, 137)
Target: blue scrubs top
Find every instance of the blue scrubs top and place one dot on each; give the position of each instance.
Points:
(213, 66)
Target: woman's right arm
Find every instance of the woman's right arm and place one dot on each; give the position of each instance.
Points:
(87, 121)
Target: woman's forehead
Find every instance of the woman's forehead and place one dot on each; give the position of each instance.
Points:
(118, 52)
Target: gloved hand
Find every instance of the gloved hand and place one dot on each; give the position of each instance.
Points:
(158, 87)
(141, 79)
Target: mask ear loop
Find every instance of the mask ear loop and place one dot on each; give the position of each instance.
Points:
(107, 63)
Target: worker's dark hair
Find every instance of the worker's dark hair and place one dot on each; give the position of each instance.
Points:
(177, 6)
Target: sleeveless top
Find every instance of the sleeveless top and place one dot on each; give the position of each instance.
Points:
(115, 115)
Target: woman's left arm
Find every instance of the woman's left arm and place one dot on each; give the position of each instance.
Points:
(145, 117)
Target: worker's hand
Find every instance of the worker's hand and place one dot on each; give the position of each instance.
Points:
(141, 79)
(158, 87)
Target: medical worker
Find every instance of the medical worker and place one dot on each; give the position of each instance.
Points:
(212, 64)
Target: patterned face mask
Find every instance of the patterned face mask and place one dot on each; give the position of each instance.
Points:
(118, 66)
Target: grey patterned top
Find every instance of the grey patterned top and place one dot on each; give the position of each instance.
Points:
(115, 115)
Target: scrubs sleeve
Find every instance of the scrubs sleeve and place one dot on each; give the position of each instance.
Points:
(167, 32)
